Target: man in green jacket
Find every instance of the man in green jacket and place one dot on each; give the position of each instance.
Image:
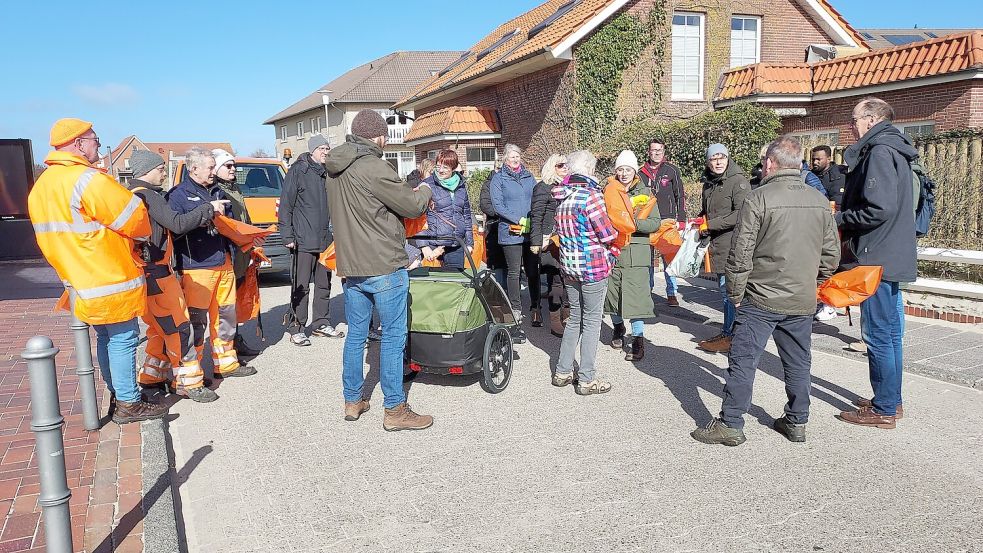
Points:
(785, 236)
(368, 202)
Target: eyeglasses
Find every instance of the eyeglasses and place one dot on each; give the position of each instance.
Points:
(560, 165)
(855, 119)
(96, 138)
(229, 165)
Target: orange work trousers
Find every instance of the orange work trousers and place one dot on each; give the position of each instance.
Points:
(211, 297)
(169, 342)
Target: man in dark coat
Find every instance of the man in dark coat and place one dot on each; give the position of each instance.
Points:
(878, 227)
(663, 178)
(305, 227)
(832, 176)
(724, 189)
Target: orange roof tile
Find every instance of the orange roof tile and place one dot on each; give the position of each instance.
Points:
(940, 56)
(843, 23)
(454, 120)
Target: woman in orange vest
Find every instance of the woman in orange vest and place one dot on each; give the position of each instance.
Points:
(86, 225)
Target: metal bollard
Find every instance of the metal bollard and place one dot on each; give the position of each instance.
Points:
(84, 370)
(46, 423)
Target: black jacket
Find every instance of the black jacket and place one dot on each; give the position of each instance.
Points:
(542, 216)
(665, 181)
(201, 247)
(877, 220)
(834, 181)
(164, 219)
(304, 217)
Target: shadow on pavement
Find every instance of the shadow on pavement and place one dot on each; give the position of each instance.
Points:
(23, 280)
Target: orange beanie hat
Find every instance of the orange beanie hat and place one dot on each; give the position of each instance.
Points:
(67, 130)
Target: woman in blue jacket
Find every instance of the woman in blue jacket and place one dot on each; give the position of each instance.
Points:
(511, 194)
(449, 213)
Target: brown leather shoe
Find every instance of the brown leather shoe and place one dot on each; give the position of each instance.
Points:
(401, 417)
(672, 301)
(354, 409)
(637, 352)
(138, 411)
(716, 345)
(864, 402)
(865, 416)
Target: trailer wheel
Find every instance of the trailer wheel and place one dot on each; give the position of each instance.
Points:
(497, 362)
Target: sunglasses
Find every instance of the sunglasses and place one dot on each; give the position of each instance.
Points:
(560, 165)
(229, 166)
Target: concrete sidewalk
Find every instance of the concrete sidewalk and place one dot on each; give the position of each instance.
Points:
(271, 466)
(947, 351)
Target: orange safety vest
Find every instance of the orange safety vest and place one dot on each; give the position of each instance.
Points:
(86, 224)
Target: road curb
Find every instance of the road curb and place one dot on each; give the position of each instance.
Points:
(160, 532)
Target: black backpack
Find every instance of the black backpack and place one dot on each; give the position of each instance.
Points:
(925, 201)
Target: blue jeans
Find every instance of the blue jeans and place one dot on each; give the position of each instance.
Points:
(882, 328)
(670, 284)
(116, 350)
(637, 325)
(730, 312)
(388, 294)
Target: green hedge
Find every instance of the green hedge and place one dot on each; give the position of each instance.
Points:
(743, 128)
(475, 181)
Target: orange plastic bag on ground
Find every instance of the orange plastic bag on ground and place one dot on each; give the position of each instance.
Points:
(327, 258)
(620, 211)
(241, 234)
(851, 287)
(666, 240)
(247, 294)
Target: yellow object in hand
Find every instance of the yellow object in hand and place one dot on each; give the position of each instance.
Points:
(639, 200)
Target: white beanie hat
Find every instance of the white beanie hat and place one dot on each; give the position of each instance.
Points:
(222, 157)
(627, 158)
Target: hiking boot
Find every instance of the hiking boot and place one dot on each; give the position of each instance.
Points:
(794, 432)
(242, 348)
(138, 411)
(671, 301)
(556, 323)
(241, 370)
(618, 336)
(637, 352)
(536, 319)
(865, 416)
(719, 433)
(591, 388)
(300, 339)
(401, 417)
(200, 394)
(716, 345)
(864, 402)
(354, 409)
(327, 331)
(561, 380)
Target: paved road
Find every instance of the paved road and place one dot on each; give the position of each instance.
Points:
(272, 466)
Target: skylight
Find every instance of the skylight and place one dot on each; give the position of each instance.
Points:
(499, 42)
(560, 12)
(457, 62)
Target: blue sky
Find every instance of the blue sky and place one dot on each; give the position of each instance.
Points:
(206, 71)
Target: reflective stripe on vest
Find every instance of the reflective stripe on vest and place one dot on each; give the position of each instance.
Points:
(110, 289)
(77, 228)
(78, 225)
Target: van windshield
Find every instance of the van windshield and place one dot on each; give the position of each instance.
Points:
(255, 180)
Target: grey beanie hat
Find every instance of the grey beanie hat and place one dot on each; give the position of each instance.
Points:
(143, 162)
(369, 124)
(715, 149)
(316, 141)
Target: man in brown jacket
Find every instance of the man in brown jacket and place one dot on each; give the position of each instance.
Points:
(784, 237)
(368, 202)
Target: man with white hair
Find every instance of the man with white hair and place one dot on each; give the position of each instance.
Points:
(205, 262)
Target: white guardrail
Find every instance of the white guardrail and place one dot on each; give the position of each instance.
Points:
(949, 287)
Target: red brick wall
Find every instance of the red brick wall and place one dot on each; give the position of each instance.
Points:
(949, 105)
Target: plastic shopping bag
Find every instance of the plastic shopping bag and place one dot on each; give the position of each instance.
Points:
(689, 258)
(851, 288)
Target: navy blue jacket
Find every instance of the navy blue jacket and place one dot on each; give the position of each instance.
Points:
(511, 196)
(203, 247)
(449, 214)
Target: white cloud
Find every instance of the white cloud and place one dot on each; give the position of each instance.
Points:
(107, 94)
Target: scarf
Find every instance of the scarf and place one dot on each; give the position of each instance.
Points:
(450, 184)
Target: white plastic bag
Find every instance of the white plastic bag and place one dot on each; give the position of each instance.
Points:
(689, 259)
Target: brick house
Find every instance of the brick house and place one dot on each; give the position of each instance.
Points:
(515, 84)
(374, 85)
(117, 162)
(934, 85)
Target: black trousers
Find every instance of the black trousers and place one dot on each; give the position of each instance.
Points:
(518, 256)
(793, 336)
(309, 269)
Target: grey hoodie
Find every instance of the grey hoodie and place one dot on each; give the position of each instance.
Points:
(877, 216)
(368, 202)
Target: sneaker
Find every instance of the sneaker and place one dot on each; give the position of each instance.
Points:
(300, 339)
(241, 370)
(593, 387)
(327, 331)
(859, 346)
(138, 411)
(354, 409)
(375, 335)
(825, 313)
(716, 345)
(200, 394)
(401, 417)
(794, 432)
(719, 433)
(561, 380)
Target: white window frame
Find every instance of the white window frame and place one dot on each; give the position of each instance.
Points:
(482, 164)
(819, 136)
(300, 128)
(702, 75)
(283, 133)
(757, 39)
(314, 126)
(908, 124)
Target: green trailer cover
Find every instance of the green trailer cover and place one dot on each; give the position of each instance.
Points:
(444, 304)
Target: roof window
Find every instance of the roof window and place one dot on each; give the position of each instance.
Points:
(560, 12)
(456, 62)
(499, 42)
